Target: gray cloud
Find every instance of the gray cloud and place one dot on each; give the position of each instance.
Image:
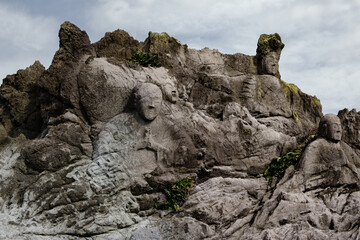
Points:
(24, 39)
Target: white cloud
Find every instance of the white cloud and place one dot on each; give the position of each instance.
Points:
(24, 39)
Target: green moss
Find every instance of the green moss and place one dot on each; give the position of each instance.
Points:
(161, 42)
(295, 116)
(278, 165)
(145, 59)
(289, 88)
(177, 193)
(160, 38)
(252, 66)
(268, 43)
(315, 102)
(259, 91)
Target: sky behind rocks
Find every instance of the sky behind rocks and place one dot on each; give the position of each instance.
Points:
(322, 38)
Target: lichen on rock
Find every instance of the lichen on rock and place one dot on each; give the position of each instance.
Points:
(289, 88)
(160, 42)
(268, 43)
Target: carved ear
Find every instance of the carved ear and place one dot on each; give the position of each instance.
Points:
(322, 132)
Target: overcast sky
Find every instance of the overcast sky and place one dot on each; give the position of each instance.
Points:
(322, 38)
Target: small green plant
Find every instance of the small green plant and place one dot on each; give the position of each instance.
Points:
(177, 193)
(278, 165)
(145, 59)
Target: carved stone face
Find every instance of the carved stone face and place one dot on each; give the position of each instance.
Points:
(270, 64)
(171, 93)
(148, 98)
(330, 127)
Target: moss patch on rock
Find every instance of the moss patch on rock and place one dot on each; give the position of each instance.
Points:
(315, 102)
(289, 88)
(295, 116)
(259, 91)
(268, 43)
(161, 42)
(118, 44)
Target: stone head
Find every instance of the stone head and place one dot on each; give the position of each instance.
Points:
(148, 98)
(330, 127)
(270, 63)
(171, 93)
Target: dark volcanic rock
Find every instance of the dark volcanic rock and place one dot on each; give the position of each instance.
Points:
(60, 80)
(350, 120)
(118, 44)
(19, 106)
(92, 147)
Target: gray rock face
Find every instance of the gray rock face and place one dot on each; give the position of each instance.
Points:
(114, 96)
(320, 192)
(19, 103)
(95, 155)
(350, 120)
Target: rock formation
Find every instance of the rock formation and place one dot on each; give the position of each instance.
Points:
(94, 146)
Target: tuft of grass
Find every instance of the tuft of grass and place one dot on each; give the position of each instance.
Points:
(278, 165)
(177, 193)
(145, 59)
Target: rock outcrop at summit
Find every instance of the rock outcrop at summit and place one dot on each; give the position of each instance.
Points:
(95, 146)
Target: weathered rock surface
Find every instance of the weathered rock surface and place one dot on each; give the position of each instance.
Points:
(19, 107)
(88, 146)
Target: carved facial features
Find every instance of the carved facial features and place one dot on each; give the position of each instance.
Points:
(148, 100)
(149, 107)
(271, 64)
(330, 127)
(334, 131)
(171, 93)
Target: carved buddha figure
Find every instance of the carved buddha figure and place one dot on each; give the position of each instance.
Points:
(328, 161)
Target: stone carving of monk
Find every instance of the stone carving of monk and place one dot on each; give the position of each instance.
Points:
(131, 144)
(328, 161)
